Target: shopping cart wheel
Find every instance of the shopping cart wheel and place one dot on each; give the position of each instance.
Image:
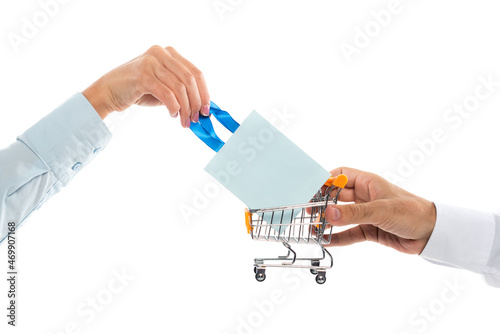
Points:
(260, 276)
(314, 263)
(321, 278)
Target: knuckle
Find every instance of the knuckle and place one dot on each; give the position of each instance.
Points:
(189, 79)
(198, 75)
(352, 236)
(169, 94)
(356, 211)
(146, 63)
(178, 87)
(154, 50)
(173, 106)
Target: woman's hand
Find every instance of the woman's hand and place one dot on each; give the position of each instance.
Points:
(383, 212)
(160, 76)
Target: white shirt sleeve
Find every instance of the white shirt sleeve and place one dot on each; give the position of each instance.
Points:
(466, 239)
(46, 158)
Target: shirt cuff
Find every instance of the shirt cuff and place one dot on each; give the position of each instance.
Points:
(461, 237)
(68, 138)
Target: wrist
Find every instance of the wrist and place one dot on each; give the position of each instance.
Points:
(429, 220)
(97, 94)
(430, 215)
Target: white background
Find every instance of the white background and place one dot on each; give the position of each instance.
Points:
(195, 275)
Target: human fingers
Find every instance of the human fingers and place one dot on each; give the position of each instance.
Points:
(179, 90)
(185, 85)
(364, 213)
(366, 186)
(198, 76)
(362, 233)
(351, 236)
(345, 195)
(410, 218)
(152, 85)
(188, 81)
(351, 173)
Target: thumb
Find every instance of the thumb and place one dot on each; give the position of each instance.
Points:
(365, 213)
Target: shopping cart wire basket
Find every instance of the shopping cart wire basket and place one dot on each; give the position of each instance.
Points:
(306, 224)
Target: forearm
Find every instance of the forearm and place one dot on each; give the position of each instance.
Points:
(18, 205)
(46, 158)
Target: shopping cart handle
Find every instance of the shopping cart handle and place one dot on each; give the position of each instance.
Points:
(248, 221)
(337, 181)
(341, 181)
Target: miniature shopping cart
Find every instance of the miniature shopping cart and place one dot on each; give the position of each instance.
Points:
(304, 223)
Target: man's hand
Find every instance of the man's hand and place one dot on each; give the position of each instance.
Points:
(384, 213)
(160, 76)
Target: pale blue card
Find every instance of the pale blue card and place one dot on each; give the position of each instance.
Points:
(263, 168)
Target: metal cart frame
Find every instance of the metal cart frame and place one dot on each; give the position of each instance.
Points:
(306, 224)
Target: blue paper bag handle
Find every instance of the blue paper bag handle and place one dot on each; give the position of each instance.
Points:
(205, 130)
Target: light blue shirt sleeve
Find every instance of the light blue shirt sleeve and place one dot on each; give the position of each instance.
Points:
(46, 157)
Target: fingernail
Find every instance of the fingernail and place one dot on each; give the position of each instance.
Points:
(176, 114)
(196, 117)
(335, 214)
(188, 123)
(205, 111)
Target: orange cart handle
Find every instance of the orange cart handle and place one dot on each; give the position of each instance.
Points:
(337, 181)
